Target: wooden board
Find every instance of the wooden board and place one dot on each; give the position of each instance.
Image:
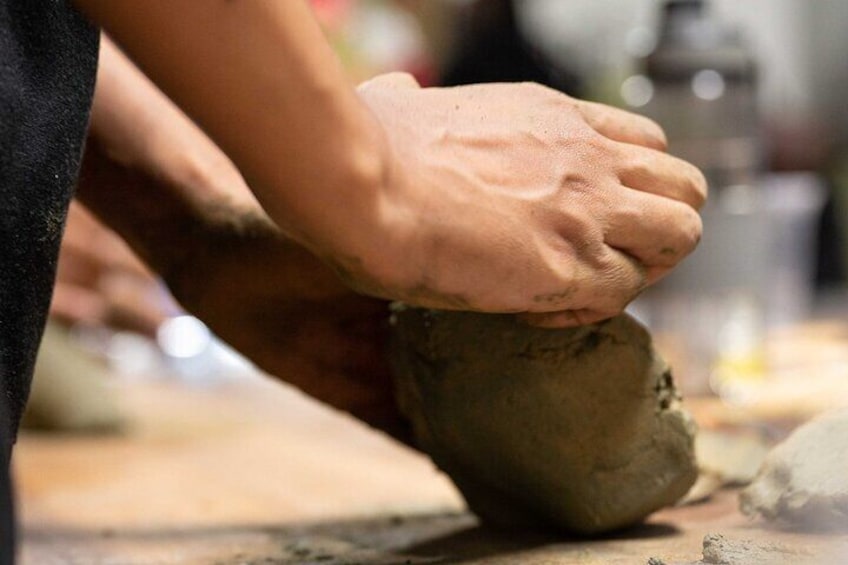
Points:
(250, 471)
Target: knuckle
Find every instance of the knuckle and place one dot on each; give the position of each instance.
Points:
(655, 131)
(585, 235)
(586, 110)
(626, 215)
(643, 165)
(692, 183)
(625, 280)
(538, 92)
(538, 88)
(598, 148)
(690, 229)
(699, 185)
(574, 187)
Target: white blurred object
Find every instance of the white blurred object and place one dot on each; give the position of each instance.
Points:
(132, 355)
(389, 38)
(191, 351)
(183, 337)
(184, 348)
(708, 85)
(637, 91)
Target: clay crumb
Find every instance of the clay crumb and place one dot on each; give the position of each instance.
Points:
(719, 550)
(665, 392)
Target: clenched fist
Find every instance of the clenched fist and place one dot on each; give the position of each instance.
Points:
(516, 198)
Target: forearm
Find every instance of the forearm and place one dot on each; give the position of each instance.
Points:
(251, 285)
(150, 172)
(156, 179)
(262, 82)
(496, 198)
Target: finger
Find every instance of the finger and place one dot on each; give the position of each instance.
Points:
(658, 232)
(134, 309)
(620, 125)
(78, 266)
(662, 174)
(620, 278)
(562, 319)
(606, 281)
(654, 274)
(74, 304)
(118, 257)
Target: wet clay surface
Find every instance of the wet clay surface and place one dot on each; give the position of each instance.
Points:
(579, 430)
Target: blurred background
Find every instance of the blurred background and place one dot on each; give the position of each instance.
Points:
(755, 322)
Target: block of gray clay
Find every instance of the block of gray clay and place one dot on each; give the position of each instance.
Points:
(578, 429)
(804, 479)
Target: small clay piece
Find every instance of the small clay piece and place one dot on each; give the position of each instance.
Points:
(804, 480)
(719, 550)
(579, 429)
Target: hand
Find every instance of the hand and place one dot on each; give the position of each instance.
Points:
(182, 205)
(288, 312)
(502, 198)
(225, 262)
(100, 282)
(516, 198)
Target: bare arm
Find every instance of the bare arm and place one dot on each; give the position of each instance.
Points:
(501, 198)
(262, 81)
(155, 178)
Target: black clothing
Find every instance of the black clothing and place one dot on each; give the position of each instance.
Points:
(491, 48)
(48, 62)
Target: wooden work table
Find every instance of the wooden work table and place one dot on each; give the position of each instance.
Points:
(249, 471)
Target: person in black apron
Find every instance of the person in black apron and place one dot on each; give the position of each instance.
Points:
(48, 60)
